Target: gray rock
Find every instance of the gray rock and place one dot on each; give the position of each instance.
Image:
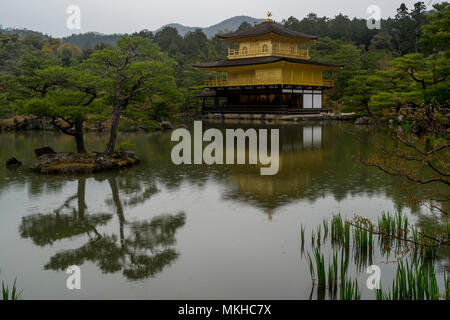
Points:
(142, 128)
(13, 162)
(131, 154)
(99, 126)
(329, 116)
(166, 125)
(122, 155)
(363, 121)
(43, 151)
(100, 157)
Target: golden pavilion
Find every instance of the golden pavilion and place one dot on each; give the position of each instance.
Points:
(270, 72)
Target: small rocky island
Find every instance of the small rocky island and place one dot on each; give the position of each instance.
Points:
(50, 162)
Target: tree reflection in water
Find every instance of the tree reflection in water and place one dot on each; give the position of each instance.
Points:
(145, 251)
(141, 255)
(65, 222)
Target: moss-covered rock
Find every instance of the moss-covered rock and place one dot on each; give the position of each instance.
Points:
(74, 163)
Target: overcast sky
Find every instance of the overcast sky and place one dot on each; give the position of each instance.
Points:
(125, 16)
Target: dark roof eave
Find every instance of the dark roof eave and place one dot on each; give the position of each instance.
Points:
(244, 37)
(260, 60)
(266, 28)
(207, 93)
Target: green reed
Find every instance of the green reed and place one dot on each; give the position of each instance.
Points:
(340, 231)
(412, 282)
(347, 235)
(363, 244)
(423, 244)
(11, 294)
(333, 271)
(319, 236)
(349, 290)
(335, 275)
(311, 268)
(320, 268)
(337, 227)
(325, 228)
(448, 228)
(302, 237)
(415, 235)
(394, 225)
(447, 286)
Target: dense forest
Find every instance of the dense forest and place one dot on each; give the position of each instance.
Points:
(404, 64)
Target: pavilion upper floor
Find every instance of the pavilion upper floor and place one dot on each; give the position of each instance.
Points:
(269, 47)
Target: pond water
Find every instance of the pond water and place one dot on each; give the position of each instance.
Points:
(160, 231)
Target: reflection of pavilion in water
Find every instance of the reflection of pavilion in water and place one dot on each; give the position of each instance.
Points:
(300, 159)
(311, 139)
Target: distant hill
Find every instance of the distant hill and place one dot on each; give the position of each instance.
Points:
(182, 30)
(90, 39)
(230, 24)
(23, 32)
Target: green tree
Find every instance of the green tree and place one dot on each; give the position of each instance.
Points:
(403, 25)
(169, 41)
(335, 51)
(415, 79)
(135, 71)
(381, 41)
(70, 97)
(419, 153)
(244, 25)
(359, 91)
(196, 44)
(418, 17)
(437, 30)
(10, 92)
(396, 88)
(10, 50)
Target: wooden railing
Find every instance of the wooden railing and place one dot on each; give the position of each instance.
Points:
(261, 52)
(257, 82)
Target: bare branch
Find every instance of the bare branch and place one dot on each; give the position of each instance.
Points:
(438, 244)
(421, 81)
(405, 175)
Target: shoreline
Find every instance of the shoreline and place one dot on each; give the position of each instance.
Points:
(24, 124)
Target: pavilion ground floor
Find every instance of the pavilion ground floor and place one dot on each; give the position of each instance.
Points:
(263, 100)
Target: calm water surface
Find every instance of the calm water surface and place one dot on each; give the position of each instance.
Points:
(160, 231)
